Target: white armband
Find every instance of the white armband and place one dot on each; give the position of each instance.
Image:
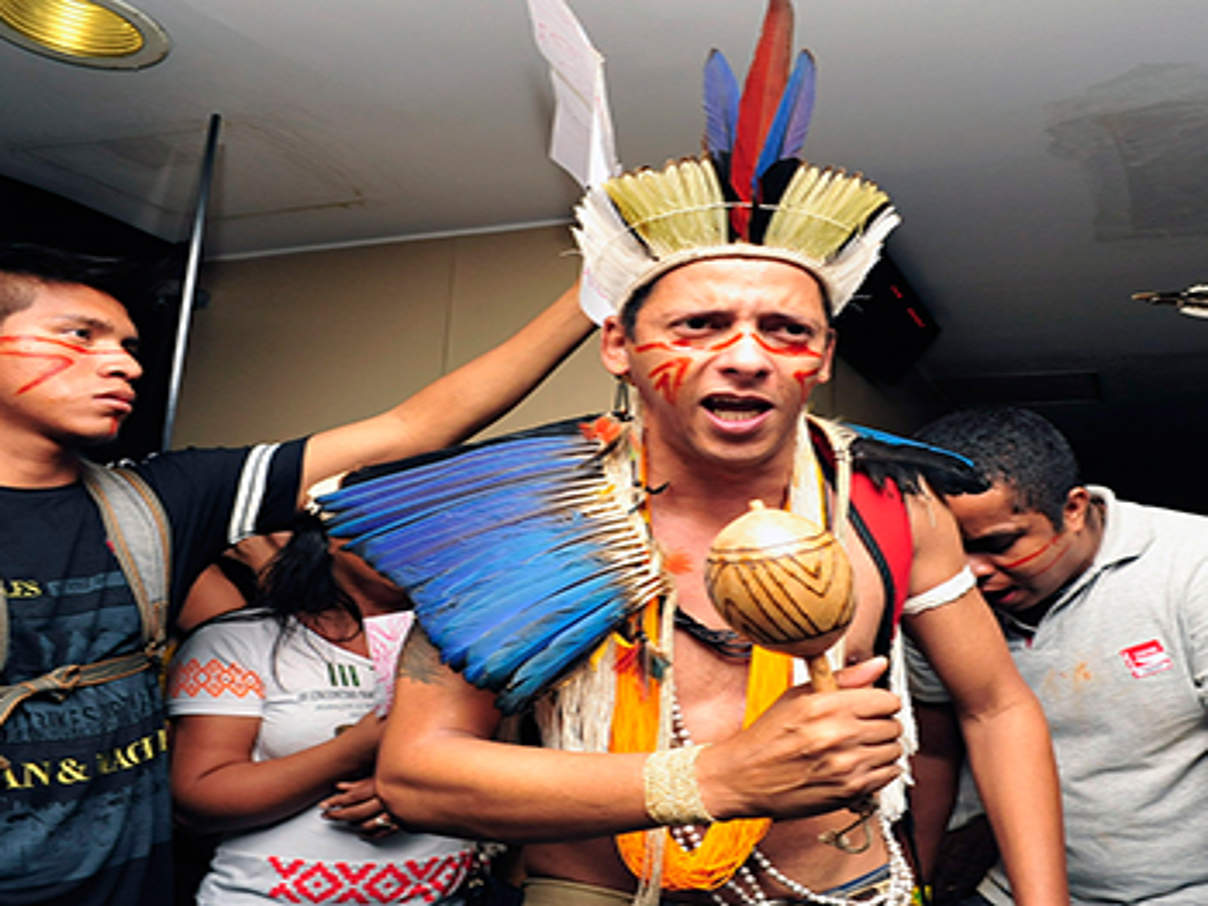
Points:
(938, 595)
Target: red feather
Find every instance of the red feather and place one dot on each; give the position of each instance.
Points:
(761, 93)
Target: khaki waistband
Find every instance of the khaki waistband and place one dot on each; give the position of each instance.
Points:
(542, 891)
(557, 892)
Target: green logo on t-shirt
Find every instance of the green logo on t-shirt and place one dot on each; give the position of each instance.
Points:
(343, 674)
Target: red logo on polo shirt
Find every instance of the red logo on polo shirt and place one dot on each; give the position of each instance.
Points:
(1146, 658)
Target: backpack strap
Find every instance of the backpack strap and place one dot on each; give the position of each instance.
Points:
(137, 530)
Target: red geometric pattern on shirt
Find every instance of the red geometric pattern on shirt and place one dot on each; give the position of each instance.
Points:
(369, 882)
(214, 677)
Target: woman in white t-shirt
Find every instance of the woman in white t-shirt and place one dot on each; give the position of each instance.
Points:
(274, 741)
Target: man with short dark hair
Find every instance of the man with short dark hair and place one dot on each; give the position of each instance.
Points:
(84, 798)
(1104, 604)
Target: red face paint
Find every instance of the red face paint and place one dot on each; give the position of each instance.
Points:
(669, 376)
(647, 347)
(790, 349)
(726, 344)
(1028, 558)
(802, 376)
(58, 361)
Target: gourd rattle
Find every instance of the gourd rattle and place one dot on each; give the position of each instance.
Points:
(785, 583)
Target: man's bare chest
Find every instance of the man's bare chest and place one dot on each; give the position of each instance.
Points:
(711, 683)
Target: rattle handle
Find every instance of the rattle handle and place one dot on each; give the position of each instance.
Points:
(820, 674)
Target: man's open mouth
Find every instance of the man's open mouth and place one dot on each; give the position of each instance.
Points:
(735, 408)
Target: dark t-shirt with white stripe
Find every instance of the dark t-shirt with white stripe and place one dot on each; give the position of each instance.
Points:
(85, 807)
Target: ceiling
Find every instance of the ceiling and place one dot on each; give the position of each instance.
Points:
(1048, 159)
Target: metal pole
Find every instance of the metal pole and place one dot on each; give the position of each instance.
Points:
(189, 290)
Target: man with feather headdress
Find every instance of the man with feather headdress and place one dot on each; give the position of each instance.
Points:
(559, 573)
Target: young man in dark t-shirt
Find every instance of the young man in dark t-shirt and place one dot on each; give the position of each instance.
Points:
(84, 796)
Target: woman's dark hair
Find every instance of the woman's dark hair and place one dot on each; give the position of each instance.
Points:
(299, 578)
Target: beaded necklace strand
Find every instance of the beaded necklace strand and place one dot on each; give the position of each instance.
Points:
(897, 893)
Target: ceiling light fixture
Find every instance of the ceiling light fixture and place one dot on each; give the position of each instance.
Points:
(104, 34)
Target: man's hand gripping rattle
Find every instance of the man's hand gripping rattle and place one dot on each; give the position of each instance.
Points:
(786, 584)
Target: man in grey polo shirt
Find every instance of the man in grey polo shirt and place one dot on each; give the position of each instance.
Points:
(1104, 605)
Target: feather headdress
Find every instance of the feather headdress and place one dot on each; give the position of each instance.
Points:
(520, 554)
(749, 194)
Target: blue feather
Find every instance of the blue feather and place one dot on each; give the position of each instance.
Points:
(787, 133)
(520, 538)
(506, 567)
(881, 455)
(563, 650)
(721, 104)
(436, 488)
(431, 556)
(895, 440)
(442, 481)
(485, 611)
(502, 650)
(435, 526)
(506, 548)
(803, 109)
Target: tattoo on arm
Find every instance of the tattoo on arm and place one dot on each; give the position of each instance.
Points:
(419, 659)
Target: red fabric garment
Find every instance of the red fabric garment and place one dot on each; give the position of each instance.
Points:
(882, 514)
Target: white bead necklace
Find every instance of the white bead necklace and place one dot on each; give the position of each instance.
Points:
(688, 838)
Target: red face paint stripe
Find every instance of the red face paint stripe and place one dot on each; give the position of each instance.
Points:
(726, 344)
(12, 338)
(795, 349)
(61, 363)
(646, 347)
(1057, 554)
(802, 376)
(668, 377)
(1032, 556)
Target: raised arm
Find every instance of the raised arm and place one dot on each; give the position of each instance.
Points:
(440, 771)
(1003, 726)
(458, 404)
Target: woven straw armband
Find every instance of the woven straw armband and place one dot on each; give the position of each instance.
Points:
(672, 796)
